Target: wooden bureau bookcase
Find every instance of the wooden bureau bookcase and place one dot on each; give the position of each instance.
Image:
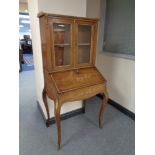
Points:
(68, 52)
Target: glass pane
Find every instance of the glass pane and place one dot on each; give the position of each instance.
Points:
(62, 44)
(84, 43)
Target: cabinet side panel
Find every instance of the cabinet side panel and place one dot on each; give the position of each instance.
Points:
(50, 86)
(94, 42)
(43, 41)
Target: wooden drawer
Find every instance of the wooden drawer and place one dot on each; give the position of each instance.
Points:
(80, 94)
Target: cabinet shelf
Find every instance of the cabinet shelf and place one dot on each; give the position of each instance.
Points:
(62, 45)
(83, 44)
(66, 44)
(59, 30)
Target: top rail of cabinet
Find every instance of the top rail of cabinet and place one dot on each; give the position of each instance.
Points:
(40, 14)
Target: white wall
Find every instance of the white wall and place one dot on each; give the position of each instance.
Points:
(35, 32)
(66, 7)
(119, 72)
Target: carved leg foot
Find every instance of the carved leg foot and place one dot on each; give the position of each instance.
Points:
(47, 123)
(83, 106)
(57, 109)
(58, 147)
(46, 106)
(103, 105)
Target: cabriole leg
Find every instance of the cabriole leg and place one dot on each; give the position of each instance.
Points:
(103, 105)
(57, 110)
(46, 106)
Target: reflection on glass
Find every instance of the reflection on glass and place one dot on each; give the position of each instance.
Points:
(62, 44)
(84, 43)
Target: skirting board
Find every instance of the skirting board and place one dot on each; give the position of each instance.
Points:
(63, 116)
(119, 107)
(81, 110)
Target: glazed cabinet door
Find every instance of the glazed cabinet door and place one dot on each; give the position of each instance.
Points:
(61, 43)
(85, 43)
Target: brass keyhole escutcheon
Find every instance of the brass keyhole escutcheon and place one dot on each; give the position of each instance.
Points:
(77, 71)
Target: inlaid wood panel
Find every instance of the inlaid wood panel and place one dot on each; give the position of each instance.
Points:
(73, 79)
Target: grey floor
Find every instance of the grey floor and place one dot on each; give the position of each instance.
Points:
(80, 134)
